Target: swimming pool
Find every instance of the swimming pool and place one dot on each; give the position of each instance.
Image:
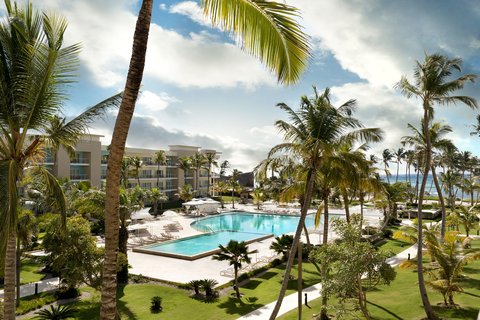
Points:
(220, 229)
(275, 224)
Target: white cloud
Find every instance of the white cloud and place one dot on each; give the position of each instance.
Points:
(149, 101)
(191, 10)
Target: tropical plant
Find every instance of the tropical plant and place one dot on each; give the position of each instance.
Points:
(195, 284)
(221, 187)
(313, 133)
(258, 197)
(35, 70)
(208, 286)
(434, 84)
(223, 167)
(282, 244)
(234, 184)
(387, 156)
(185, 164)
(451, 259)
(137, 164)
(125, 171)
(160, 159)
(197, 161)
(469, 219)
(57, 312)
(156, 304)
(235, 253)
(210, 160)
(399, 155)
(186, 193)
(274, 37)
(26, 229)
(155, 196)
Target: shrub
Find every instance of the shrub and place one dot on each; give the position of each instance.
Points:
(138, 278)
(30, 303)
(387, 233)
(156, 304)
(208, 285)
(67, 293)
(56, 313)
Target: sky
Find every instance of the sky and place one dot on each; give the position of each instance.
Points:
(201, 89)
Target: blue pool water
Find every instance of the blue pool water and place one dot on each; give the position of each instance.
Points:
(251, 222)
(195, 245)
(220, 229)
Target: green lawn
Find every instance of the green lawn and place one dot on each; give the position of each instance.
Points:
(401, 300)
(392, 246)
(30, 271)
(134, 300)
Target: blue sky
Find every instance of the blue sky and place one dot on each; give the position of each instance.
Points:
(201, 89)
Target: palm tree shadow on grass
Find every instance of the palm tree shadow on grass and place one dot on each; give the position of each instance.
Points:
(459, 313)
(237, 306)
(122, 305)
(386, 310)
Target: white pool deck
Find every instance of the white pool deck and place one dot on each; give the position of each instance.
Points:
(178, 270)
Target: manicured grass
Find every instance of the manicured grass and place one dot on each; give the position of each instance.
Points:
(393, 246)
(30, 303)
(134, 300)
(401, 300)
(30, 271)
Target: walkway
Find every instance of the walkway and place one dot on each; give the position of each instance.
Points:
(290, 302)
(43, 286)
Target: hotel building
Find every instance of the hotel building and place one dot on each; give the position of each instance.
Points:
(90, 164)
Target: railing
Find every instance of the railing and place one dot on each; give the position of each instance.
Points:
(80, 160)
(82, 176)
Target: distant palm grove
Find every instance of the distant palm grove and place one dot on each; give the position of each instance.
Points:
(420, 260)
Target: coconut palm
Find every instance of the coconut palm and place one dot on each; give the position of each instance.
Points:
(387, 156)
(439, 146)
(211, 160)
(469, 218)
(221, 187)
(224, 166)
(451, 259)
(268, 30)
(155, 196)
(160, 159)
(185, 164)
(399, 155)
(235, 253)
(198, 161)
(125, 171)
(186, 193)
(258, 197)
(434, 83)
(234, 184)
(26, 228)
(137, 164)
(35, 70)
(311, 136)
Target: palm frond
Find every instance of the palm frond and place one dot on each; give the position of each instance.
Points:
(268, 30)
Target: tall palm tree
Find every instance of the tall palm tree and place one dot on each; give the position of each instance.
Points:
(160, 159)
(234, 184)
(198, 161)
(211, 160)
(35, 70)
(221, 187)
(125, 171)
(268, 30)
(235, 253)
(310, 136)
(387, 156)
(185, 164)
(433, 84)
(439, 145)
(137, 164)
(399, 155)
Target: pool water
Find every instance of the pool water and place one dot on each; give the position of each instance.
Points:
(220, 229)
(252, 222)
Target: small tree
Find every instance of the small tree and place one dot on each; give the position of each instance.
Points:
(258, 197)
(235, 253)
(208, 286)
(195, 284)
(282, 244)
(56, 313)
(156, 304)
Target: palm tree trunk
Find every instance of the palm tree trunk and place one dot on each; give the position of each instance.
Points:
(428, 155)
(296, 240)
(416, 184)
(398, 168)
(325, 217)
(17, 272)
(237, 290)
(108, 309)
(233, 198)
(208, 182)
(9, 286)
(347, 207)
(442, 203)
(158, 174)
(299, 280)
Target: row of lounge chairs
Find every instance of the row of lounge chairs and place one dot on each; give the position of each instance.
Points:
(141, 241)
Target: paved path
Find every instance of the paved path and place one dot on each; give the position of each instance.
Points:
(43, 286)
(290, 302)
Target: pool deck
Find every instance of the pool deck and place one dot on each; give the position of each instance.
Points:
(183, 271)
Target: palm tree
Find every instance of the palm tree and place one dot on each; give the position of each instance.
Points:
(186, 193)
(125, 171)
(258, 197)
(235, 253)
(399, 155)
(208, 286)
(387, 156)
(282, 244)
(198, 161)
(185, 164)
(221, 187)
(160, 159)
(275, 37)
(155, 196)
(451, 260)
(137, 164)
(56, 313)
(439, 145)
(234, 184)
(434, 83)
(223, 167)
(211, 160)
(468, 218)
(26, 228)
(310, 136)
(35, 70)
